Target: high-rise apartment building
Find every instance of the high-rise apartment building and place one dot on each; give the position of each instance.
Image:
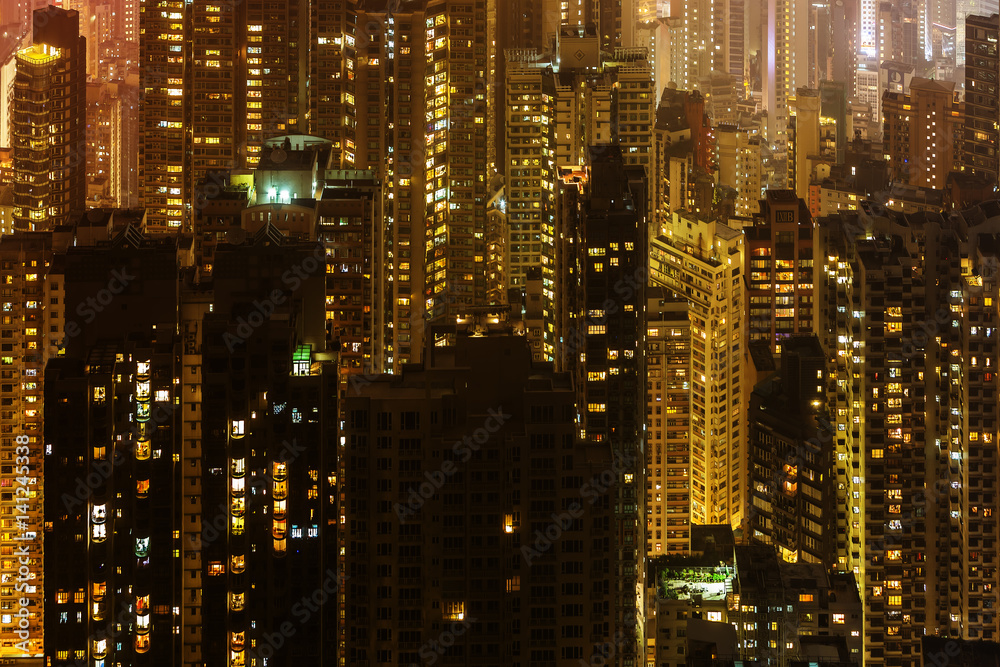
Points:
(714, 40)
(530, 175)
(456, 140)
(86, 597)
(31, 326)
(553, 114)
(923, 133)
(209, 102)
(786, 609)
(261, 501)
(891, 470)
(910, 312)
(779, 271)
(477, 527)
(614, 276)
(791, 470)
(702, 262)
(358, 298)
(48, 123)
(205, 465)
(964, 10)
(373, 76)
(668, 417)
(982, 69)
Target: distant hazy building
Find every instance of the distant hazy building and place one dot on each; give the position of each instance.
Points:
(817, 134)
(683, 146)
(785, 59)
(750, 176)
(923, 133)
(6, 209)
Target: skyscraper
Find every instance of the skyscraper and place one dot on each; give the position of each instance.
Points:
(923, 133)
(406, 90)
(702, 262)
(791, 453)
(614, 398)
(208, 103)
(553, 113)
(779, 269)
(786, 59)
(455, 136)
(916, 421)
(668, 416)
(206, 464)
(48, 123)
(30, 333)
(982, 138)
(477, 526)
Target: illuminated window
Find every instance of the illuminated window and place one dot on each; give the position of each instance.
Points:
(301, 360)
(454, 611)
(805, 597)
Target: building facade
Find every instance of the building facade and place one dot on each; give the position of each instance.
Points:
(48, 123)
(701, 262)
